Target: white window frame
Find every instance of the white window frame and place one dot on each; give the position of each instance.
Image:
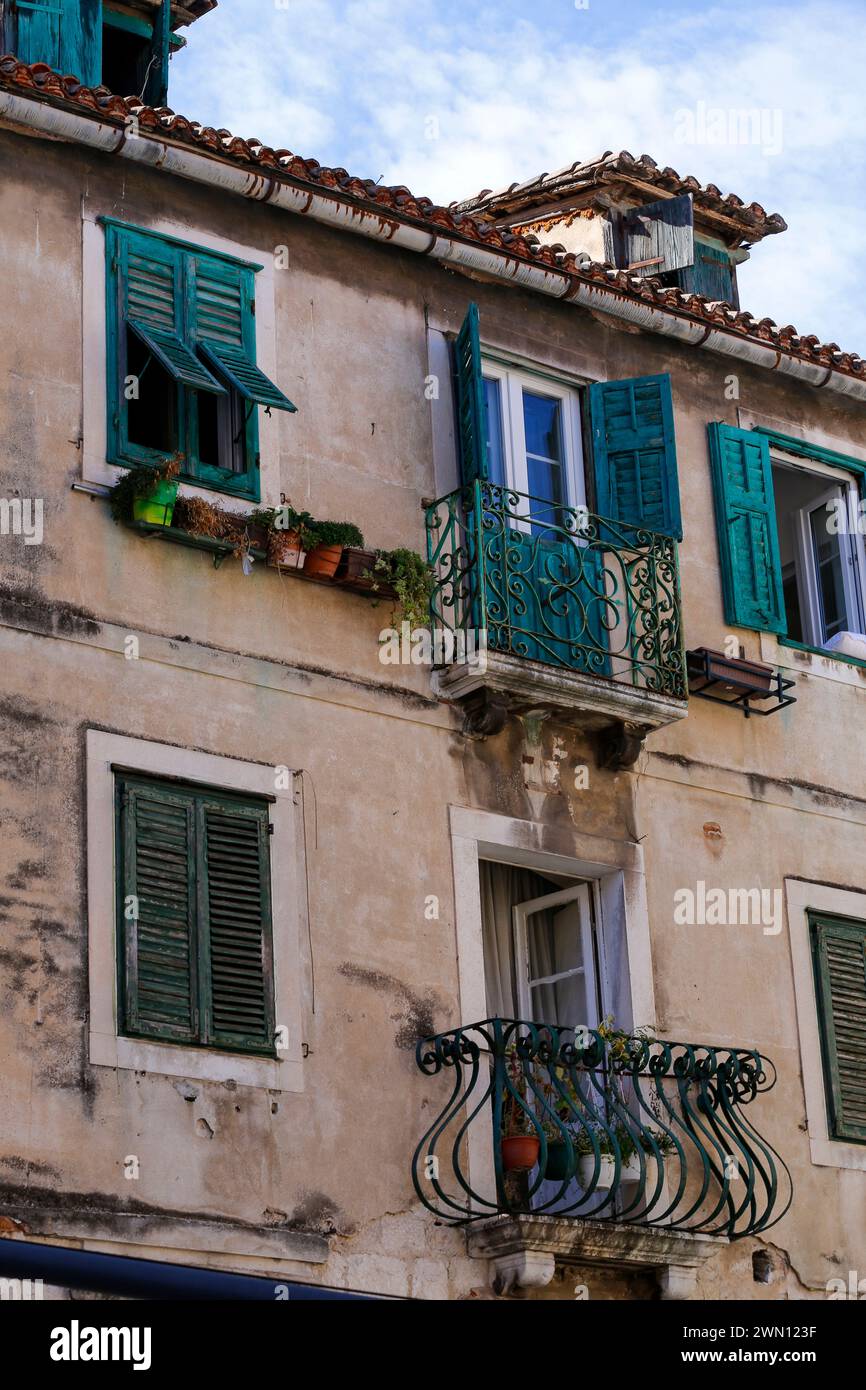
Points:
(807, 569)
(851, 547)
(800, 898)
(579, 893)
(512, 383)
(107, 1046)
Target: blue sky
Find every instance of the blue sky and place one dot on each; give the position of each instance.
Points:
(448, 97)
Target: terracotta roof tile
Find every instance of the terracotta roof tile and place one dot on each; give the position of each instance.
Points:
(41, 82)
(612, 168)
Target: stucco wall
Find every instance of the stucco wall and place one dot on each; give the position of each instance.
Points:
(273, 671)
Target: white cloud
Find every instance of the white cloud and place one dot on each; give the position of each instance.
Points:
(354, 84)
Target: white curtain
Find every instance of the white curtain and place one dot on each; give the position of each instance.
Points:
(503, 885)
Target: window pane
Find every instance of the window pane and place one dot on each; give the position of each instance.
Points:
(828, 563)
(542, 421)
(152, 416)
(495, 449)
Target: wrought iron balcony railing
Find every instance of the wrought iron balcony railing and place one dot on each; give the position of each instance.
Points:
(558, 585)
(584, 1123)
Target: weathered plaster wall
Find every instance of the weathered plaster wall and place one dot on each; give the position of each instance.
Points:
(301, 685)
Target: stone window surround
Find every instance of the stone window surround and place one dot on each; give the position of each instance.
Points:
(524, 1251)
(800, 897)
(94, 465)
(106, 1047)
(616, 869)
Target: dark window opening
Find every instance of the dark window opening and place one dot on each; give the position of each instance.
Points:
(151, 399)
(125, 61)
(221, 430)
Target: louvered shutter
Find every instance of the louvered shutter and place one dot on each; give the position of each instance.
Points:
(150, 292)
(234, 894)
(65, 34)
(634, 451)
(471, 418)
(222, 295)
(157, 912)
(839, 955)
(746, 526)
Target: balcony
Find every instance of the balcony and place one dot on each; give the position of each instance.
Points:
(550, 610)
(562, 1146)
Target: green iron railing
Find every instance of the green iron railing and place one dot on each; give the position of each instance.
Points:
(558, 585)
(586, 1123)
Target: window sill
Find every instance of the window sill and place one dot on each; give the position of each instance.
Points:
(197, 1064)
(822, 651)
(813, 661)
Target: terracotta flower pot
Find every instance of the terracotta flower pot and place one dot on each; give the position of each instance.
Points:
(322, 561)
(520, 1152)
(284, 550)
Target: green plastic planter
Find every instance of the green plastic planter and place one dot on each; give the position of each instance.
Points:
(158, 508)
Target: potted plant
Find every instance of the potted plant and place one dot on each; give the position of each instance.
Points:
(147, 492)
(403, 575)
(326, 541)
(629, 1170)
(519, 1141)
(289, 534)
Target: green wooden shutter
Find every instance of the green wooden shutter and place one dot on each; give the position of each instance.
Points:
(157, 871)
(712, 275)
(196, 958)
(37, 38)
(635, 453)
(746, 525)
(156, 90)
(471, 418)
(149, 279)
(236, 948)
(839, 957)
(65, 34)
(222, 296)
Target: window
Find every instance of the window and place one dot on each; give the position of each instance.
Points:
(135, 53)
(195, 954)
(557, 979)
(540, 952)
(182, 360)
(791, 561)
(839, 962)
(821, 560)
(533, 440)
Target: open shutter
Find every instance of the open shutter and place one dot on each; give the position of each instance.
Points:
(236, 950)
(839, 955)
(223, 297)
(37, 38)
(635, 453)
(150, 297)
(471, 417)
(712, 275)
(746, 525)
(157, 874)
(156, 90)
(65, 34)
(659, 237)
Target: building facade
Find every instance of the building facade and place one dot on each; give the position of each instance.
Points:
(318, 938)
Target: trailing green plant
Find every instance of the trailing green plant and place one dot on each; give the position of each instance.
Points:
(140, 483)
(411, 579)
